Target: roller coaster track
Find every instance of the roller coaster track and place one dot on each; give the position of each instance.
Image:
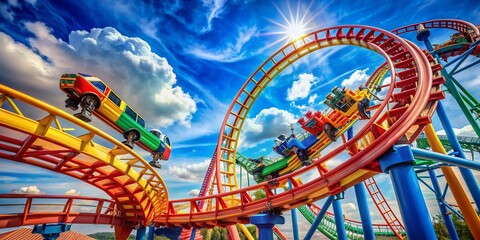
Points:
(354, 228)
(40, 209)
(137, 190)
(461, 95)
(327, 225)
(408, 106)
(140, 193)
(454, 24)
(467, 143)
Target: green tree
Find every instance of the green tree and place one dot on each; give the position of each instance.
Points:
(214, 233)
(252, 229)
(460, 225)
(259, 194)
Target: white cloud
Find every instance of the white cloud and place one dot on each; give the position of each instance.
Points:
(7, 8)
(127, 64)
(466, 131)
(194, 192)
(28, 190)
(311, 99)
(349, 206)
(8, 179)
(232, 52)
(301, 88)
(189, 172)
(268, 124)
(358, 78)
(214, 9)
(72, 192)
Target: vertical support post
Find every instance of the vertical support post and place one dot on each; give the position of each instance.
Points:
(294, 218)
(338, 214)
(367, 226)
(265, 223)
(141, 233)
(151, 231)
(470, 216)
(399, 164)
(232, 232)
(318, 219)
(466, 173)
(193, 233)
(443, 210)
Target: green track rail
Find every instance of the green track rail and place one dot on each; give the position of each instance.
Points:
(467, 143)
(327, 226)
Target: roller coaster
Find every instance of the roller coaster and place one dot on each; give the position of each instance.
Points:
(139, 196)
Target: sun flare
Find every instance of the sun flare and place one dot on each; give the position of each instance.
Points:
(295, 31)
(296, 23)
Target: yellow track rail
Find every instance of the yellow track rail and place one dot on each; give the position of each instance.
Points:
(121, 173)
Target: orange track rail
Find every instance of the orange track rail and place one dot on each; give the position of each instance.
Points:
(38, 209)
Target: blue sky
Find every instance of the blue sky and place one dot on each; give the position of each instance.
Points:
(180, 64)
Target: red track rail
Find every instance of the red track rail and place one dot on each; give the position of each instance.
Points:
(406, 110)
(454, 24)
(39, 209)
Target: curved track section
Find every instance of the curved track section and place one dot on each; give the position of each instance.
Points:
(41, 209)
(454, 24)
(410, 102)
(133, 184)
(327, 225)
(467, 143)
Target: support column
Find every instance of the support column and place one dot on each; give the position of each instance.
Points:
(466, 173)
(122, 233)
(294, 218)
(51, 231)
(399, 164)
(456, 187)
(265, 223)
(443, 210)
(151, 231)
(141, 233)
(193, 233)
(367, 226)
(318, 219)
(338, 214)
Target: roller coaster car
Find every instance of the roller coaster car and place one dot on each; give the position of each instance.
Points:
(290, 146)
(95, 97)
(457, 44)
(345, 100)
(317, 123)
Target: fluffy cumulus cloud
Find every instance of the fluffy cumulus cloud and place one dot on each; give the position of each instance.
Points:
(194, 192)
(359, 77)
(72, 192)
(466, 131)
(189, 172)
(267, 125)
(127, 64)
(28, 190)
(301, 88)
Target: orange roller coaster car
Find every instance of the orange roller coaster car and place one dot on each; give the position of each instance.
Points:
(94, 96)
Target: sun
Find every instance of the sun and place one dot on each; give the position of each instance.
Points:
(295, 30)
(294, 24)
